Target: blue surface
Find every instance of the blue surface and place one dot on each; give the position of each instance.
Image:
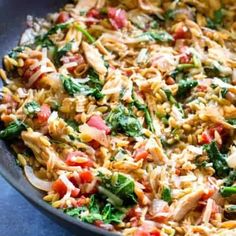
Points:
(19, 218)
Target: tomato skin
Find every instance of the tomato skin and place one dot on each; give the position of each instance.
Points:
(94, 144)
(208, 194)
(94, 13)
(155, 233)
(97, 122)
(117, 17)
(141, 233)
(182, 33)
(44, 113)
(59, 187)
(140, 154)
(184, 59)
(206, 138)
(86, 177)
(63, 17)
(71, 159)
(201, 88)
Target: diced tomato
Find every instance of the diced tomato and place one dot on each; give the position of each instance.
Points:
(155, 233)
(74, 159)
(206, 195)
(94, 13)
(44, 113)
(209, 135)
(182, 33)
(201, 88)
(81, 201)
(75, 192)
(98, 223)
(219, 128)
(117, 17)
(185, 58)
(63, 17)
(86, 177)
(97, 122)
(206, 138)
(59, 187)
(170, 81)
(94, 144)
(140, 154)
(141, 233)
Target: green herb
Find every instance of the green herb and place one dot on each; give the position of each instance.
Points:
(228, 191)
(72, 87)
(122, 120)
(156, 36)
(218, 159)
(15, 52)
(169, 96)
(90, 38)
(232, 121)
(57, 27)
(31, 108)
(13, 130)
(185, 86)
(59, 53)
(230, 208)
(223, 92)
(147, 115)
(97, 211)
(44, 40)
(166, 195)
(217, 20)
(118, 188)
(73, 124)
(170, 14)
(231, 178)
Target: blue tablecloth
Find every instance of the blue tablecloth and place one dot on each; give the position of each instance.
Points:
(19, 218)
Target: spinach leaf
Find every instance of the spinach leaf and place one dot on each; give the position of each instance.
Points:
(147, 115)
(122, 120)
(156, 36)
(13, 130)
(231, 178)
(31, 108)
(223, 92)
(218, 159)
(120, 186)
(14, 52)
(59, 53)
(72, 87)
(44, 40)
(73, 124)
(97, 211)
(228, 191)
(166, 195)
(185, 86)
(232, 121)
(217, 20)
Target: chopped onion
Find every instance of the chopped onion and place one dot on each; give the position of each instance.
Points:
(82, 81)
(53, 116)
(35, 181)
(95, 134)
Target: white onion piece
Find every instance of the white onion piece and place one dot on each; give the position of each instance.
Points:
(35, 181)
(95, 134)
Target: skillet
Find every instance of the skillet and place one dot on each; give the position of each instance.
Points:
(12, 24)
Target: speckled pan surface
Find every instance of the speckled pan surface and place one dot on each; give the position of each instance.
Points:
(12, 24)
